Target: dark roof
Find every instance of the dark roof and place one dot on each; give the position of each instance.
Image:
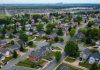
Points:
(14, 47)
(1, 55)
(96, 55)
(20, 42)
(3, 50)
(3, 42)
(40, 52)
(86, 51)
(64, 68)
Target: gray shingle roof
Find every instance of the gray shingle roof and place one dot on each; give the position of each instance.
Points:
(96, 55)
(3, 50)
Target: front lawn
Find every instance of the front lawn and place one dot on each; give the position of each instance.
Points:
(56, 48)
(66, 65)
(33, 46)
(85, 64)
(70, 59)
(39, 39)
(49, 56)
(27, 63)
(25, 50)
(8, 45)
(7, 59)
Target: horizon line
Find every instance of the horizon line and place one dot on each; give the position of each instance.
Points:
(50, 3)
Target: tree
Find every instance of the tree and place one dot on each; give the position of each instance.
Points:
(72, 49)
(61, 39)
(72, 32)
(15, 55)
(36, 17)
(58, 56)
(49, 27)
(56, 39)
(30, 43)
(78, 19)
(39, 27)
(94, 67)
(21, 48)
(90, 23)
(23, 37)
(45, 19)
(68, 18)
(59, 32)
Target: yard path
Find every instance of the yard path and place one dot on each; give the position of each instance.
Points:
(75, 64)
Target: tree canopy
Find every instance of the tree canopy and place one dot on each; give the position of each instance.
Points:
(72, 49)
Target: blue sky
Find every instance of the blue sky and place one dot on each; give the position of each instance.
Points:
(48, 1)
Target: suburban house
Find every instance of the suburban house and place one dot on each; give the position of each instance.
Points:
(41, 34)
(28, 33)
(36, 55)
(7, 35)
(17, 35)
(84, 55)
(28, 27)
(5, 52)
(3, 42)
(2, 57)
(21, 43)
(94, 58)
(14, 47)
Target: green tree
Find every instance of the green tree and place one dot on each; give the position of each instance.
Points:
(61, 39)
(39, 27)
(68, 18)
(36, 17)
(78, 19)
(49, 28)
(23, 37)
(15, 55)
(45, 19)
(58, 56)
(60, 32)
(72, 32)
(90, 23)
(21, 48)
(30, 43)
(56, 39)
(72, 49)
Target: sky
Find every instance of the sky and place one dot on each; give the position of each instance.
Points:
(48, 1)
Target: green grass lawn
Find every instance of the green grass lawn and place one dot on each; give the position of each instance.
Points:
(27, 63)
(56, 48)
(49, 56)
(7, 59)
(66, 65)
(85, 64)
(70, 59)
(33, 46)
(8, 45)
(25, 50)
(39, 39)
